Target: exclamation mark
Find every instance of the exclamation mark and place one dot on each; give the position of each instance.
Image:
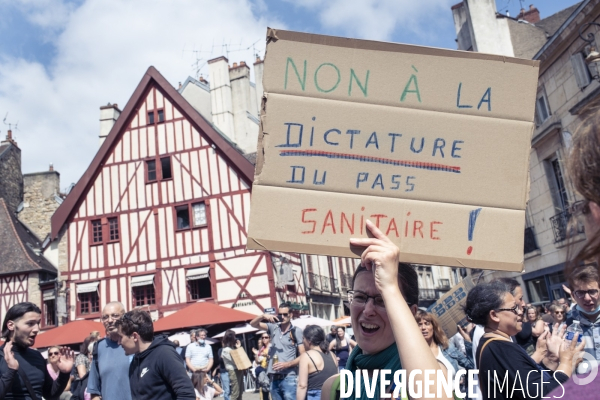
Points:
(472, 219)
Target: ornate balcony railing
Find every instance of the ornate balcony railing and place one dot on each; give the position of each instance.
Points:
(314, 281)
(563, 226)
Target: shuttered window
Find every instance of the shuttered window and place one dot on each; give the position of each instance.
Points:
(580, 70)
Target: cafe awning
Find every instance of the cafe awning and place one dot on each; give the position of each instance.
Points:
(199, 314)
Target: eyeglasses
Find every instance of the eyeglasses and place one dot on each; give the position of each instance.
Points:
(361, 298)
(54, 353)
(106, 317)
(581, 293)
(514, 309)
(582, 207)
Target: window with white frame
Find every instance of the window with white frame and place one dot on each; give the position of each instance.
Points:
(542, 111)
(580, 70)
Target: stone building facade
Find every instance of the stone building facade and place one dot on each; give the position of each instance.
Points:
(11, 178)
(565, 92)
(41, 197)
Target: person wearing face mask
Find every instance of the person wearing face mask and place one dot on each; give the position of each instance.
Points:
(500, 360)
(582, 270)
(583, 282)
(198, 355)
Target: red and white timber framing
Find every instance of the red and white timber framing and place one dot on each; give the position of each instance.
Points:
(13, 290)
(205, 168)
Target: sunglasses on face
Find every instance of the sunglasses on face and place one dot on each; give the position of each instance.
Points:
(284, 315)
(54, 353)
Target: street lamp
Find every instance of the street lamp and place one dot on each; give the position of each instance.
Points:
(593, 58)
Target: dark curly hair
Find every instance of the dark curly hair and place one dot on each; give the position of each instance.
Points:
(484, 298)
(138, 321)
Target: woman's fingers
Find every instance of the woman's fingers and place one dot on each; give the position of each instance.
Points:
(378, 237)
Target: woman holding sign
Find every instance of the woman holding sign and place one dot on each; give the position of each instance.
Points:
(236, 377)
(383, 302)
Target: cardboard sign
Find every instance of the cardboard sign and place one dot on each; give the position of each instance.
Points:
(240, 358)
(449, 308)
(432, 145)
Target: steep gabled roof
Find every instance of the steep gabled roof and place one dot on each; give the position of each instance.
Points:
(151, 79)
(17, 252)
(551, 23)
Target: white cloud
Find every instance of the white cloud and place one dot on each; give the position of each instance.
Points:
(48, 14)
(378, 19)
(103, 49)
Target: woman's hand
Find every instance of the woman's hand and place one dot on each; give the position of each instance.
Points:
(380, 256)
(571, 355)
(9, 356)
(555, 341)
(465, 335)
(541, 348)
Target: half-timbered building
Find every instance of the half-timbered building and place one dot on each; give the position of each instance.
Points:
(160, 218)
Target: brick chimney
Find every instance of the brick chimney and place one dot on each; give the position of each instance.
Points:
(532, 15)
(9, 138)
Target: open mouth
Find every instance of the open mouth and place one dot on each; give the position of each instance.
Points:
(369, 328)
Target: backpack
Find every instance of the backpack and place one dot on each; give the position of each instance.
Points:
(294, 339)
(79, 385)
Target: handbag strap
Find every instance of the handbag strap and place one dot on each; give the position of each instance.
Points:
(28, 384)
(485, 345)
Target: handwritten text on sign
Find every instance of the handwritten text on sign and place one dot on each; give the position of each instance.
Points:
(432, 145)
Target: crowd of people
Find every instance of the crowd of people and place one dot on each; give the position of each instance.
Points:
(506, 338)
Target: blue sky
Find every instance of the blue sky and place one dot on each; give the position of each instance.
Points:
(60, 60)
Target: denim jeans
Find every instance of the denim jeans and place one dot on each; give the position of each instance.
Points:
(225, 384)
(314, 394)
(284, 389)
